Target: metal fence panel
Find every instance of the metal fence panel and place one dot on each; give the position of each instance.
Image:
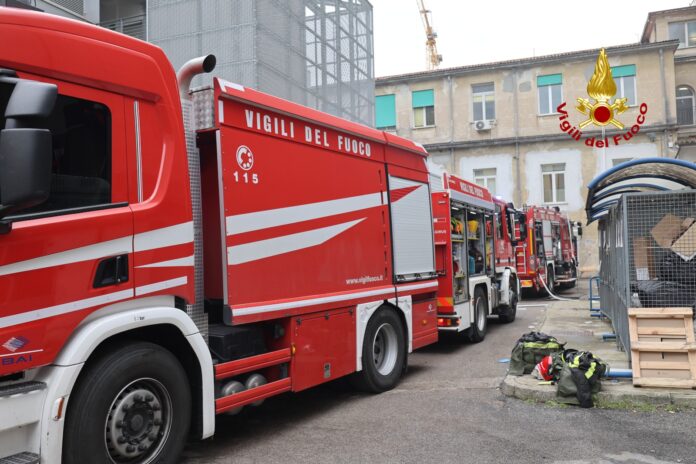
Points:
(647, 255)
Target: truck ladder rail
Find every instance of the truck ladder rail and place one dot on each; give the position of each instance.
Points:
(253, 363)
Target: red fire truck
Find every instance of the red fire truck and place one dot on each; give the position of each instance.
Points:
(168, 256)
(474, 256)
(546, 252)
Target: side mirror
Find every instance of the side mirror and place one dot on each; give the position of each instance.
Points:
(523, 231)
(25, 168)
(26, 153)
(522, 218)
(579, 230)
(29, 99)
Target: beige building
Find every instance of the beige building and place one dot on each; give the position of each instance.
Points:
(499, 124)
(679, 24)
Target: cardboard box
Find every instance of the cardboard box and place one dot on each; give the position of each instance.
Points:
(643, 258)
(685, 245)
(668, 229)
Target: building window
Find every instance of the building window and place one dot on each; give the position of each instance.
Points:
(385, 112)
(550, 92)
(486, 178)
(554, 182)
(617, 161)
(423, 108)
(625, 78)
(685, 105)
(484, 101)
(685, 31)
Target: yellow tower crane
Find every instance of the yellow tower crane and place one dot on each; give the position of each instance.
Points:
(432, 58)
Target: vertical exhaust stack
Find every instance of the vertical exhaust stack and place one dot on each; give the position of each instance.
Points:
(192, 68)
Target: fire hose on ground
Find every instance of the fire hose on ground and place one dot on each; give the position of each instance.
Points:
(556, 297)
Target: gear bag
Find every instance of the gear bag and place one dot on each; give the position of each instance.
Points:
(579, 374)
(530, 349)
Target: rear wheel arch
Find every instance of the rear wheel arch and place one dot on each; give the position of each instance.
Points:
(369, 378)
(510, 282)
(399, 312)
(478, 329)
(484, 288)
(508, 313)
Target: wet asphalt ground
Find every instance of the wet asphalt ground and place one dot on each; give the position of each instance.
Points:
(448, 408)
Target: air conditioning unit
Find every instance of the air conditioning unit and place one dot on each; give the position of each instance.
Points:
(483, 125)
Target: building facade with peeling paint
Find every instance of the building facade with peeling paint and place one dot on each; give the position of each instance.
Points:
(498, 124)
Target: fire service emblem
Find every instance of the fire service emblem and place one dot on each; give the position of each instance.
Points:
(602, 89)
(601, 109)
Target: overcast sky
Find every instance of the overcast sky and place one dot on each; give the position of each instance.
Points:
(482, 31)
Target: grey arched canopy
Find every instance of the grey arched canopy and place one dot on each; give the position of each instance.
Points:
(639, 175)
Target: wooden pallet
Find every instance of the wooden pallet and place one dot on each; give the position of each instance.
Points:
(663, 349)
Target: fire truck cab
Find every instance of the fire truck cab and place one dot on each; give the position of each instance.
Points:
(474, 256)
(546, 251)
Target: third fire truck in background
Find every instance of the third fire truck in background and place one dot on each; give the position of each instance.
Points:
(546, 250)
(474, 256)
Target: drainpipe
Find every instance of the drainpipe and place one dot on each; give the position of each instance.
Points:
(515, 109)
(666, 101)
(451, 122)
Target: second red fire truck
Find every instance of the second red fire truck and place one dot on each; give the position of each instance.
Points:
(474, 256)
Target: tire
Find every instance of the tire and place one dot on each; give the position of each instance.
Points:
(509, 313)
(477, 331)
(138, 385)
(573, 283)
(550, 280)
(383, 353)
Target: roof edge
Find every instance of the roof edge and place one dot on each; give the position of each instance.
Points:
(524, 62)
(650, 21)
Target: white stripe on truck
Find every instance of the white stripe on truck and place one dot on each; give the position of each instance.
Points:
(259, 220)
(239, 254)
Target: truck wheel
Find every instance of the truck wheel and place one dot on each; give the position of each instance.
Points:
(477, 331)
(550, 280)
(573, 274)
(133, 405)
(383, 353)
(509, 313)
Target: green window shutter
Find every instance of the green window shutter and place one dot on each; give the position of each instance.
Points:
(623, 71)
(421, 98)
(385, 111)
(549, 79)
